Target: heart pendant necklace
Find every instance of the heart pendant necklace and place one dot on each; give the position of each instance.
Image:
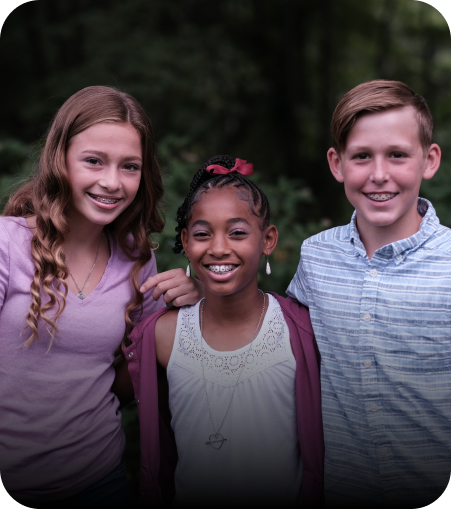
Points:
(80, 290)
(216, 440)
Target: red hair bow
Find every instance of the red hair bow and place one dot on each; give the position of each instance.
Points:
(241, 166)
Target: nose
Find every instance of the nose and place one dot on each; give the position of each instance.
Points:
(110, 179)
(380, 173)
(219, 246)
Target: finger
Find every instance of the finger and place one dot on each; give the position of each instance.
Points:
(153, 281)
(180, 291)
(187, 295)
(174, 286)
(184, 300)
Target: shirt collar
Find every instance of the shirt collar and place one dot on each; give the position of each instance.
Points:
(400, 248)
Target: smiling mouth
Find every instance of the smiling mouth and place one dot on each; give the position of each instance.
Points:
(104, 200)
(220, 269)
(380, 196)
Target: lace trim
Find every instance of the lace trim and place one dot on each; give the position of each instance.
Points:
(270, 347)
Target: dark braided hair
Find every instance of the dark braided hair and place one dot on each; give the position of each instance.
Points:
(203, 181)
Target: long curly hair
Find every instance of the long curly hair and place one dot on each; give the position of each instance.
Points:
(204, 180)
(47, 195)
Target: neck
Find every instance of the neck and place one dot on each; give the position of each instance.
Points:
(82, 235)
(374, 237)
(235, 308)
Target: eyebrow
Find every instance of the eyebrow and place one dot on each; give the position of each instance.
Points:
(203, 222)
(103, 154)
(361, 148)
(238, 220)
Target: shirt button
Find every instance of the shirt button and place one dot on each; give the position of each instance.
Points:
(130, 355)
(399, 257)
(373, 407)
(367, 363)
(383, 451)
(373, 273)
(367, 317)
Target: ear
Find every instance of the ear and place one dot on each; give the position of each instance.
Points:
(270, 237)
(184, 238)
(333, 157)
(433, 159)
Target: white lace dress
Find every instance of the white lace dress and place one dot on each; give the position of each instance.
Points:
(260, 462)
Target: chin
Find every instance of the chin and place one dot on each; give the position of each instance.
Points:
(385, 220)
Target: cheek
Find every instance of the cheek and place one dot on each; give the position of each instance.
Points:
(255, 252)
(132, 185)
(355, 180)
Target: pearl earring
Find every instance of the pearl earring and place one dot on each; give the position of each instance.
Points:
(268, 268)
(188, 270)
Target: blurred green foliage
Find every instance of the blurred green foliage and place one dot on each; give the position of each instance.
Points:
(256, 79)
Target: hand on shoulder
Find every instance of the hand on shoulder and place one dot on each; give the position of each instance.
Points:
(176, 286)
(165, 328)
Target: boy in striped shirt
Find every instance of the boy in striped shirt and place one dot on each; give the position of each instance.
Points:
(379, 295)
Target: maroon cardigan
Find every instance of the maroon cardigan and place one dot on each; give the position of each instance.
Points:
(158, 450)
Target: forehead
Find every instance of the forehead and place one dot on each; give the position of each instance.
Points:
(393, 126)
(222, 204)
(108, 135)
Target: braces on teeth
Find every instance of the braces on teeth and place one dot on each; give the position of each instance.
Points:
(104, 200)
(381, 197)
(221, 268)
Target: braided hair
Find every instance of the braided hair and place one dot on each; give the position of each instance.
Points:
(203, 181)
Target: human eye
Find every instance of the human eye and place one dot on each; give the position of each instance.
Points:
(92, 160)
(397, 155)
(238, 233)
(200, 234)
(362, 156)
(131, 167)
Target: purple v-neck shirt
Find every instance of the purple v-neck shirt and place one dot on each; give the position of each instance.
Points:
(60, 428)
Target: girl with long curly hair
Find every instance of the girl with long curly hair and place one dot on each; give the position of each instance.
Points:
(74, 253)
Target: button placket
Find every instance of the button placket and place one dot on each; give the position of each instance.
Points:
(370, 393)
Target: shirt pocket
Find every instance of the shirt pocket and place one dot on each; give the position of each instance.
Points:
(424, 351)
(414, 336)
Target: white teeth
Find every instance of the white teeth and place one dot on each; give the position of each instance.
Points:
(381, 197)
(103, 200)
(220, 269)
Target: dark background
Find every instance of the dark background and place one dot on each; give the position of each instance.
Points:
(256, 79)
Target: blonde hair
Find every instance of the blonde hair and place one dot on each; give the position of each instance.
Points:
(374, 96)
(48, 193)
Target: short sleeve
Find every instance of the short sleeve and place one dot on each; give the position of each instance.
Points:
(4, 264)
(298, 288)
(149, 305)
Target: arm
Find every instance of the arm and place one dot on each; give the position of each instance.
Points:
(165, 328)
(176, 287)
(164, 336)
(298, 288)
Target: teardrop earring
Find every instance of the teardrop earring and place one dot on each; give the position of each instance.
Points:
(268, 268)
(188, 270)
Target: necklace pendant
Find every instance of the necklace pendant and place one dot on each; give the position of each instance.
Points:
(216, 440)
(81, 296)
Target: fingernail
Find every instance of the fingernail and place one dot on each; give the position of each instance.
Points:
(141, 289)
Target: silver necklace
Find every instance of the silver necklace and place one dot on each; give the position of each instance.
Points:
(80, 290)
(216, 439)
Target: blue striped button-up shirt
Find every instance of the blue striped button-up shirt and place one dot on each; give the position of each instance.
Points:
(383, 327)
